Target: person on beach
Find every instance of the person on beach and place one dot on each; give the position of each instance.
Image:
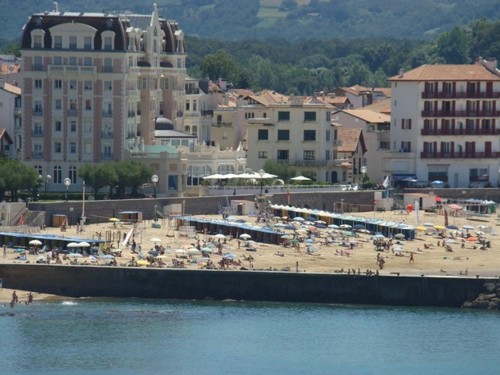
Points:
(412, 260)
(4, 251)
(30, 298)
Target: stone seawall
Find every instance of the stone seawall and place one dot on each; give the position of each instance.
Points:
(89, 281)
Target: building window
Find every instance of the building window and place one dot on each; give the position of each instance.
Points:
(88, 104)
(58, 104)
(72, 42)
(108, 43)
(309, 155)
(283, 116)
(283, 135)
(37, 41)
(57, 177)
(73, 61)
(263, 135)
(87, 85)
(72, 174)
(262, 154)
(108, 65)
(188, 103)
(57, 147)
(283, 154)
(58, 126)
(38, 169)
(72, 127)
(37, 63)
(108, 85)
(309, 135)
(194, 105)
(405, 146)
(38, 83)
(58, 41)
(406, 123)
(57, 84)
(57, 60)
(87, 42)
(72, 148)
(72, 85)
(309, 116)
(87, 61)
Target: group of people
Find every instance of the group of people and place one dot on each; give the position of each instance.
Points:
(15, 299)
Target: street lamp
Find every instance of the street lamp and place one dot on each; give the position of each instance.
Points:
(67, 182)
(47, 179)
(363, 172)
(154, 179)
(261, 173)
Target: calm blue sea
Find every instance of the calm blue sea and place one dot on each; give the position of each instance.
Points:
(96, 336)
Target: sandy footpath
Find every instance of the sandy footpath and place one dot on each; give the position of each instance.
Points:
(331, 251)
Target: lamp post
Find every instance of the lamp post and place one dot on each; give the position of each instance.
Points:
(261, 173)
(47, 179)
(67, 182)
(363, 173)
(83, 206)
(154, 180)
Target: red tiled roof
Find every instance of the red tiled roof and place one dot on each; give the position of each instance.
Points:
(442, 72)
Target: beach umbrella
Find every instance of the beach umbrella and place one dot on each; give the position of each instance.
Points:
(153, 253)
(345, 226)
(245, 236)
(300, 178)
(379, 236)
(290, 227)
(155, 239)
(320, 225)
(452, 227)
(439, 227)
(333, 226)
(206, 250)
(471, 239)
(72, 244)
(35, 242)
(428, 224)
(180, 252)
(449, 240)
(75, 255)
(287, 237)
(421, 228)
(107, 257)
(162, 257)
(229, 256)
(114, 219)
(467, 227)
(216, 176)
(298, 218)
(142, 263)
(83, 244)
(400, 236)
(480, 233)
(193, 251)
(220, 236)
(397, 249)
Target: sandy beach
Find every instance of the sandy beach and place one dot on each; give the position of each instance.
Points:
(330, 250)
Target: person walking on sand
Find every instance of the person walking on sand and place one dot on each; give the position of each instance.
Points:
(412, 260)
(4, 251)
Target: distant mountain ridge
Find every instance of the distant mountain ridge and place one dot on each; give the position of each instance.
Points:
(284, 19)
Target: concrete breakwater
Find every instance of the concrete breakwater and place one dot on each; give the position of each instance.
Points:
(90, 281)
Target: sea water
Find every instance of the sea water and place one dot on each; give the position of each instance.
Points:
(110, 336)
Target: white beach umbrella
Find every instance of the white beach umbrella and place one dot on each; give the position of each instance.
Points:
(83, 244)
(35, 242)
(245, 236)
(300, 178)
(155, 239)
(72, 244)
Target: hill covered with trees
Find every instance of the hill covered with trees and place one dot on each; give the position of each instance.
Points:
(283, 19)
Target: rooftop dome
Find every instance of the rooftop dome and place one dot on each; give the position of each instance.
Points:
(163, 123)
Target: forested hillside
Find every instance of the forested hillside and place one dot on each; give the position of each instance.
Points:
(283, 19)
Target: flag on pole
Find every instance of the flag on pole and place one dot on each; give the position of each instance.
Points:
(385, 184)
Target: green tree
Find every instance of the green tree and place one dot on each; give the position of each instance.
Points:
(283, 171)
(219, 65)
(454, 46)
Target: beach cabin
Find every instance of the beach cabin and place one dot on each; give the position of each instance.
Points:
(424, 200)
(130, 216)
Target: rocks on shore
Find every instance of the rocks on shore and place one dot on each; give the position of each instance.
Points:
(489, 300)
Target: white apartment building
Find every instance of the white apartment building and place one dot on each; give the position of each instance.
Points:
(10, 116)
(293, 130)
(445, 124)
(93, 85)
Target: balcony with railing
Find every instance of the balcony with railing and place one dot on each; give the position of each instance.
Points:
(37, 155)
(459, 155)
(107, 113)
(72, 112)
(459, 132)
(222, 124)
(466, 113)
(37, 134)
(37, 112)
(460, 95)
(107, 135)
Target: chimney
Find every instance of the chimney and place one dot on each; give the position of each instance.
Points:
(401, 73)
